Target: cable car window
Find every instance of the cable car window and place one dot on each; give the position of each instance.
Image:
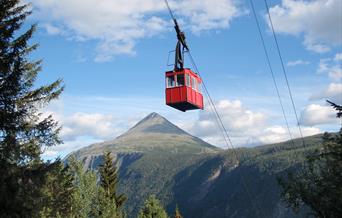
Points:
(199, 87)
(170, 81)
(194, 83)
(180, 80)
(187, 80)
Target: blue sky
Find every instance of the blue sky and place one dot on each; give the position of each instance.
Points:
(112, 56)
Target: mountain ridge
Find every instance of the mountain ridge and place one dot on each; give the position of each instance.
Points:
(204, 181)
(153, 131)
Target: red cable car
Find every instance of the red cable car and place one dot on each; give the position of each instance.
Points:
(183, 86)
(183, 90)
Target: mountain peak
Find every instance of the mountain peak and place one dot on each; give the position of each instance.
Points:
(155, 123)
(154, 115)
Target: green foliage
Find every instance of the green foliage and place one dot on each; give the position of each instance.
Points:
(58, 192)
(318, 184)
(85, 201)
(109, 181)
(152, 209)
(23, 131)
(106, 206)
(177, 213)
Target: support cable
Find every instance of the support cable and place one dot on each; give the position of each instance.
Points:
(271, 71)
(284, 72)
(228, 141)
(170, 11)
(226, 136)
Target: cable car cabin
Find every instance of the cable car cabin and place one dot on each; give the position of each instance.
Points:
(183, 90)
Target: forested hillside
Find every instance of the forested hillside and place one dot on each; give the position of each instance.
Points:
(156, 157)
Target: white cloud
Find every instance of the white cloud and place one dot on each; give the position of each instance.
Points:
(251, 128)
(95, 125)
(333, 93)
(53, 30)
(245, 127)
(275, 134)
(235, 117)
(332, 67)
(338, 57)
(207, 14)
(66, 148)
(117, 25)
(91, 125)
(317, 20)
(315, 114)
(297, 62)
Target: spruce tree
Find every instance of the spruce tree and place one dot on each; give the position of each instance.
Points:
(23, 131)
(152, 209)
(109, 180)
(58, 192)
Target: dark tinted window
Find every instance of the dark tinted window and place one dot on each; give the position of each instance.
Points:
(180, 80)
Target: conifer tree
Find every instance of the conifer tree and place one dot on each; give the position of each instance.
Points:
(58, 192)
(109, 181)
(23, 131)
(177, 213)
(106, 206)
(85, 197)
(152, 209)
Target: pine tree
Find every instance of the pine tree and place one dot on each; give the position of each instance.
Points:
(109, 181)
(177, 213)
(23, 131)
(58, 192)
(152, 209)
(106, 206)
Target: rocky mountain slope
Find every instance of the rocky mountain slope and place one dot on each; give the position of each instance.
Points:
(157, 157)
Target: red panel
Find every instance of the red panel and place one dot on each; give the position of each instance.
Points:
(193, 94)
(199, 100)
(183, 93)
(188, 94)
(176, 95)
(168, 96)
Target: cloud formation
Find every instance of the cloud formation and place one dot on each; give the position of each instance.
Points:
(333, 93)
(332, 67)
(301, 17)
(279, 134)
(245, 127)
(117, 25)
(95, 125)
(315, 114)
(82, 129)
(297, 62)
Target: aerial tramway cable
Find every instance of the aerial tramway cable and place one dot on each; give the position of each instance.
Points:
(226, 136)
(271, 71)
(284, 72)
